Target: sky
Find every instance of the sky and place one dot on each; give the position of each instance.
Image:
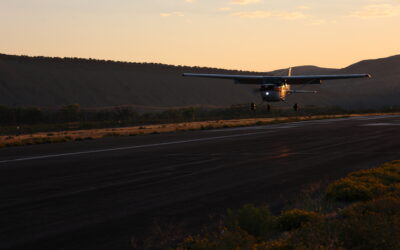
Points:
(256, 35)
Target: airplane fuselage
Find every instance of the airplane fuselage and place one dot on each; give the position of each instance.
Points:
(274, 92)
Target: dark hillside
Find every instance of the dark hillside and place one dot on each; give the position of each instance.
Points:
(41, 81)
(26, 81)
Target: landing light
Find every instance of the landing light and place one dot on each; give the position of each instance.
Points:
(267, 93)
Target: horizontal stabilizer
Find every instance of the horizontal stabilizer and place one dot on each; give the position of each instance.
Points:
(302, 92)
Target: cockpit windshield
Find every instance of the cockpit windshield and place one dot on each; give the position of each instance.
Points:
(267, 87)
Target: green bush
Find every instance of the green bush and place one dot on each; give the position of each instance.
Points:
(349, 190)
(224, 240)
(293, 219)
(387, 174)
(372, 225)
(366, 184)
(257, 221)
(319, 234)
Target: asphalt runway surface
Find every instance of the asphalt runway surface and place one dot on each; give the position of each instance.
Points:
(99, 194)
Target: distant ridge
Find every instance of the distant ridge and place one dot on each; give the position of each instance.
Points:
(53, 82)
(43, 81)
(382, 90)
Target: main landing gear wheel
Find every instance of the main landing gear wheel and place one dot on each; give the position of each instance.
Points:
(296, 107)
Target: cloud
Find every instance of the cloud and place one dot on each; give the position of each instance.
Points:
(224, 9)
(288, 15)
(171, 14)
(377, 10)
(304, 7)
(321, 22)
(244, 2)
(190, 1)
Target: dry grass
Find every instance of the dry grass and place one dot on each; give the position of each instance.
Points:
(77, 135)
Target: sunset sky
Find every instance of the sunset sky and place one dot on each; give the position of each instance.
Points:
(259, 35)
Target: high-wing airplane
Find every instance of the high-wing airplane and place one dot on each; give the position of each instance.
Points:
(276, 88)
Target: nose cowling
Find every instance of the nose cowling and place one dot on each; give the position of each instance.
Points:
(274, 92)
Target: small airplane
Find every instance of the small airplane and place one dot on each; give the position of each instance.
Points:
(276, 88)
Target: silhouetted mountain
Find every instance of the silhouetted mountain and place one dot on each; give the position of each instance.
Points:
(383, 89)
(302, 70)
(42, 81)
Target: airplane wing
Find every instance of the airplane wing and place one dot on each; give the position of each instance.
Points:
(243, 79)
(255, 79)
(317, 79)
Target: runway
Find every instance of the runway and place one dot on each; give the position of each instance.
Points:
(98, 194)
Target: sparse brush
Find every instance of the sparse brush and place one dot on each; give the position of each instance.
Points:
(224, 239)
(273, 245)
(370, 224)
(257, 221)
(295, 218)
(112, 134)
(365, 184)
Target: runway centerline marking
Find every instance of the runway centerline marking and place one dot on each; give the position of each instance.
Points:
(40, 157)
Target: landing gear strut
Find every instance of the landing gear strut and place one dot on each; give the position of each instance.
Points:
(296, 107)
(253, 106)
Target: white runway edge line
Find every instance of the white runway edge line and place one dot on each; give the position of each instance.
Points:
(194, 140)
(130, 147)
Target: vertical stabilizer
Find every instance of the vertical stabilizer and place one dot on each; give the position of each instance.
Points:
(290, 71)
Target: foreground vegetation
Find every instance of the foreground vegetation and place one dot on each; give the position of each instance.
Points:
(27, 120)
(360, 211)
(90, 134)
(29, 126)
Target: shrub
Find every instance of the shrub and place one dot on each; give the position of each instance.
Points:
(387, 174)
(256, 221)
(224, 240)
(273, 245)
(195, 243)
(372, 225)
(349, 190)
(293, 219)
(366, 184)
(319, 234)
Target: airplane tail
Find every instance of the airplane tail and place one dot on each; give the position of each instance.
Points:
(290, 71)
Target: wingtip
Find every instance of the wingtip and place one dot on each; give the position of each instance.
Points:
(369, 75)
